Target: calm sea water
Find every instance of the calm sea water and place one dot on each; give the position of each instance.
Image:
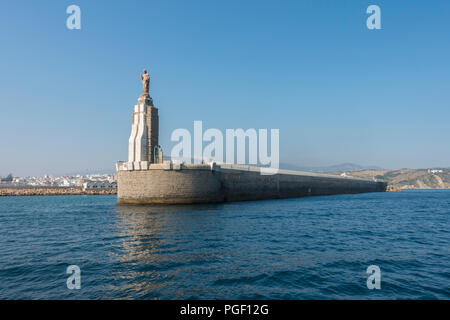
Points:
(305, 248)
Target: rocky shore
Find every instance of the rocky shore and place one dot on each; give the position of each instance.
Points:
(52, 191)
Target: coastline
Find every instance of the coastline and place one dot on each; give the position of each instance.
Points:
(21, 191)
(78, 191)
(18, 191)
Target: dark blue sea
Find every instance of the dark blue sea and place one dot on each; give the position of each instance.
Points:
(304, 248)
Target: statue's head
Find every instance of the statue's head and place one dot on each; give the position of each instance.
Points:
(145, 71)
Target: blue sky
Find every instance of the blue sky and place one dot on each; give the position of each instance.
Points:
(337, 91)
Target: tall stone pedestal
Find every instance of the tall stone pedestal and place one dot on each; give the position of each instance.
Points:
(144, 134)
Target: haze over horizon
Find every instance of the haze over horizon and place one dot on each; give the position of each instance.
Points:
(338, 92)
(347, 167)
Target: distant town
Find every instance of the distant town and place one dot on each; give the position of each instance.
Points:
(88, 181)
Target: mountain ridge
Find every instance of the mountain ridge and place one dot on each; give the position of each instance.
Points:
(346, 166)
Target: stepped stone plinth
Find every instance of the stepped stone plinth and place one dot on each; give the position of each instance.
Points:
(143, 142)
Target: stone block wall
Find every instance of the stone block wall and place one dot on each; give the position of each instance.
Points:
(205, 183)
(168, 186)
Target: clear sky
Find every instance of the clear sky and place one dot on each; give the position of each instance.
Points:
(337, 91)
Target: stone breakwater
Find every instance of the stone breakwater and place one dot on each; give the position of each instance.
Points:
(170, 183)
(52, 191)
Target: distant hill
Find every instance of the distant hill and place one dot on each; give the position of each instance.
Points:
(334, 168)
(407, 178)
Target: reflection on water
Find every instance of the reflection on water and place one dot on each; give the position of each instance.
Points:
(305, 248)
(154, 244)
(288, 249)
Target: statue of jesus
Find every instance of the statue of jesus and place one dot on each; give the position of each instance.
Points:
(145, 77)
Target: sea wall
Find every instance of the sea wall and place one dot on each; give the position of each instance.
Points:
(170, 183)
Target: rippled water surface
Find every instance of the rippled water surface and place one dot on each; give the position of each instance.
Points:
(305, 248)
